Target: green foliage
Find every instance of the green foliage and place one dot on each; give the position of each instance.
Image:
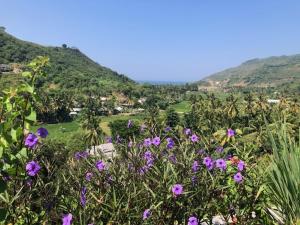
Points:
(16, 116)
(172, 118)
(120, 128)
(283, 178)
(143, 172)
(210, 115)
(121, 193)
(70, 69)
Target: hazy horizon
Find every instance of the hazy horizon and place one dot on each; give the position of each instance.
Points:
(160, 41)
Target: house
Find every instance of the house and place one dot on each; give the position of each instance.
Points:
(103, 99)
(73, 113)
(76, 110)
(273, 101)
(142, 100)
(119, 109)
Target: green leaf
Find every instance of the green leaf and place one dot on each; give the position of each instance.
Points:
(3, 213)
(27, 74)
(3, 186)
(13, 134)
(22, 153)
(1, 151)
(238, 131)
(26, 88)
(32, 116)
(149, 189)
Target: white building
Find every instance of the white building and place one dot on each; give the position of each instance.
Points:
(273, 101)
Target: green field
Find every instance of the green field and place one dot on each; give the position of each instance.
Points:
(182, 107)
(64, 131)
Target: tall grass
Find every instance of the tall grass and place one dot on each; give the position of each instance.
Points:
(284, 176)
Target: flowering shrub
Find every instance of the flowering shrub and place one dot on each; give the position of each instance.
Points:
(161, 174)
(164, 179)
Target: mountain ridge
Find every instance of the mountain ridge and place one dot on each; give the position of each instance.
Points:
(273, 71)
(70, 68)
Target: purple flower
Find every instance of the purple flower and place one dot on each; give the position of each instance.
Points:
(150, 163)
(129, 124)
(207, 161)
(194, 138)
(130, 166)
(130, 143)
(67, 219)
(230, 132)
(187, 131)
(32, 168)
(29, 182)
(177, 189)
(5, 177)
(173, 158)
(201, 151)
(31, 141)
(193, 221)
(88, 176)
(110, 179)
(108, 140)
(83, 196)
(229, 156)
(148, 155)
(81, 155)
(147, 142)
(221, 163)
(194, 179)
(238, 177)
(118, 139)
(241, 165)
(167, 129)
(170, 143)
(195, 166)
(42, 132)
(100, 165)
(146, 214)
(156, 141)
(219, 149)
(143, 170)
(143, 127)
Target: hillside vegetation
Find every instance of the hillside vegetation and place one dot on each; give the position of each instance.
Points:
(69, 67)
(269, 72)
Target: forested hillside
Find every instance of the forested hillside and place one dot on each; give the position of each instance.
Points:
(69, 67)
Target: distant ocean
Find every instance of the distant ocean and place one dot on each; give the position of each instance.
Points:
(161, 82)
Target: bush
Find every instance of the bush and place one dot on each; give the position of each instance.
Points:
(172, 118)
(124, 129)
(283, 178)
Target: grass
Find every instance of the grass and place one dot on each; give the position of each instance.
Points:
(60, 130)
(182, 107)
(64, 131)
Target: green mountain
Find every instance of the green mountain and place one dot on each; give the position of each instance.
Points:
(69, 67)
(276, 71)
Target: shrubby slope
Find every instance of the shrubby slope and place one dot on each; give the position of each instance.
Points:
(268, 72)
(70, 68)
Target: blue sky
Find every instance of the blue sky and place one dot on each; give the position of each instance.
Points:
(160, 39)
